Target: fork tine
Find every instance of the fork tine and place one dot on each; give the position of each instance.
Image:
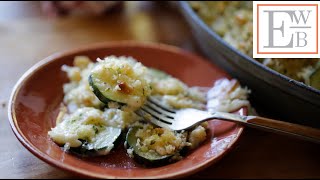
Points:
(157, 103)
(159, 110)
(157, 115)
(160, 123)
(157, 122)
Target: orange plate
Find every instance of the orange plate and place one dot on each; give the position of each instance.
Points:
(35, 100)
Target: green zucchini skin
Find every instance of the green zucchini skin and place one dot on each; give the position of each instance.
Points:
(83, 150)
(141, 157)
(99, 94)
(315, 79)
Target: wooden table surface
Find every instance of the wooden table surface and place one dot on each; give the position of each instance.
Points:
(27, 35)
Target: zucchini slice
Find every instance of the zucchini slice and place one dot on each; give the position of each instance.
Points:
(315, 79)
(101, 145)
(153, 146)
(147, 158)
(120, 80)
(103, 97)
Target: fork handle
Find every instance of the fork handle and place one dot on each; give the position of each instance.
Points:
(300, 131)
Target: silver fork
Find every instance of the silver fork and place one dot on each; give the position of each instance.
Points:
(187, 118)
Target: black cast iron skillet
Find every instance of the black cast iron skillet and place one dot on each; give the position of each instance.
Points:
(273, 94)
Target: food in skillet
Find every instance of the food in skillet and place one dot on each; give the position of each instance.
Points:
(232, 20)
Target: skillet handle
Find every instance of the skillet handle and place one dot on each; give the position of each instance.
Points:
(286, 128)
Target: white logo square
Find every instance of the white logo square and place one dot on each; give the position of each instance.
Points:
(285, 29)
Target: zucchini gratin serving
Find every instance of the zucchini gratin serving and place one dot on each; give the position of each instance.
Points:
(100, 100)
